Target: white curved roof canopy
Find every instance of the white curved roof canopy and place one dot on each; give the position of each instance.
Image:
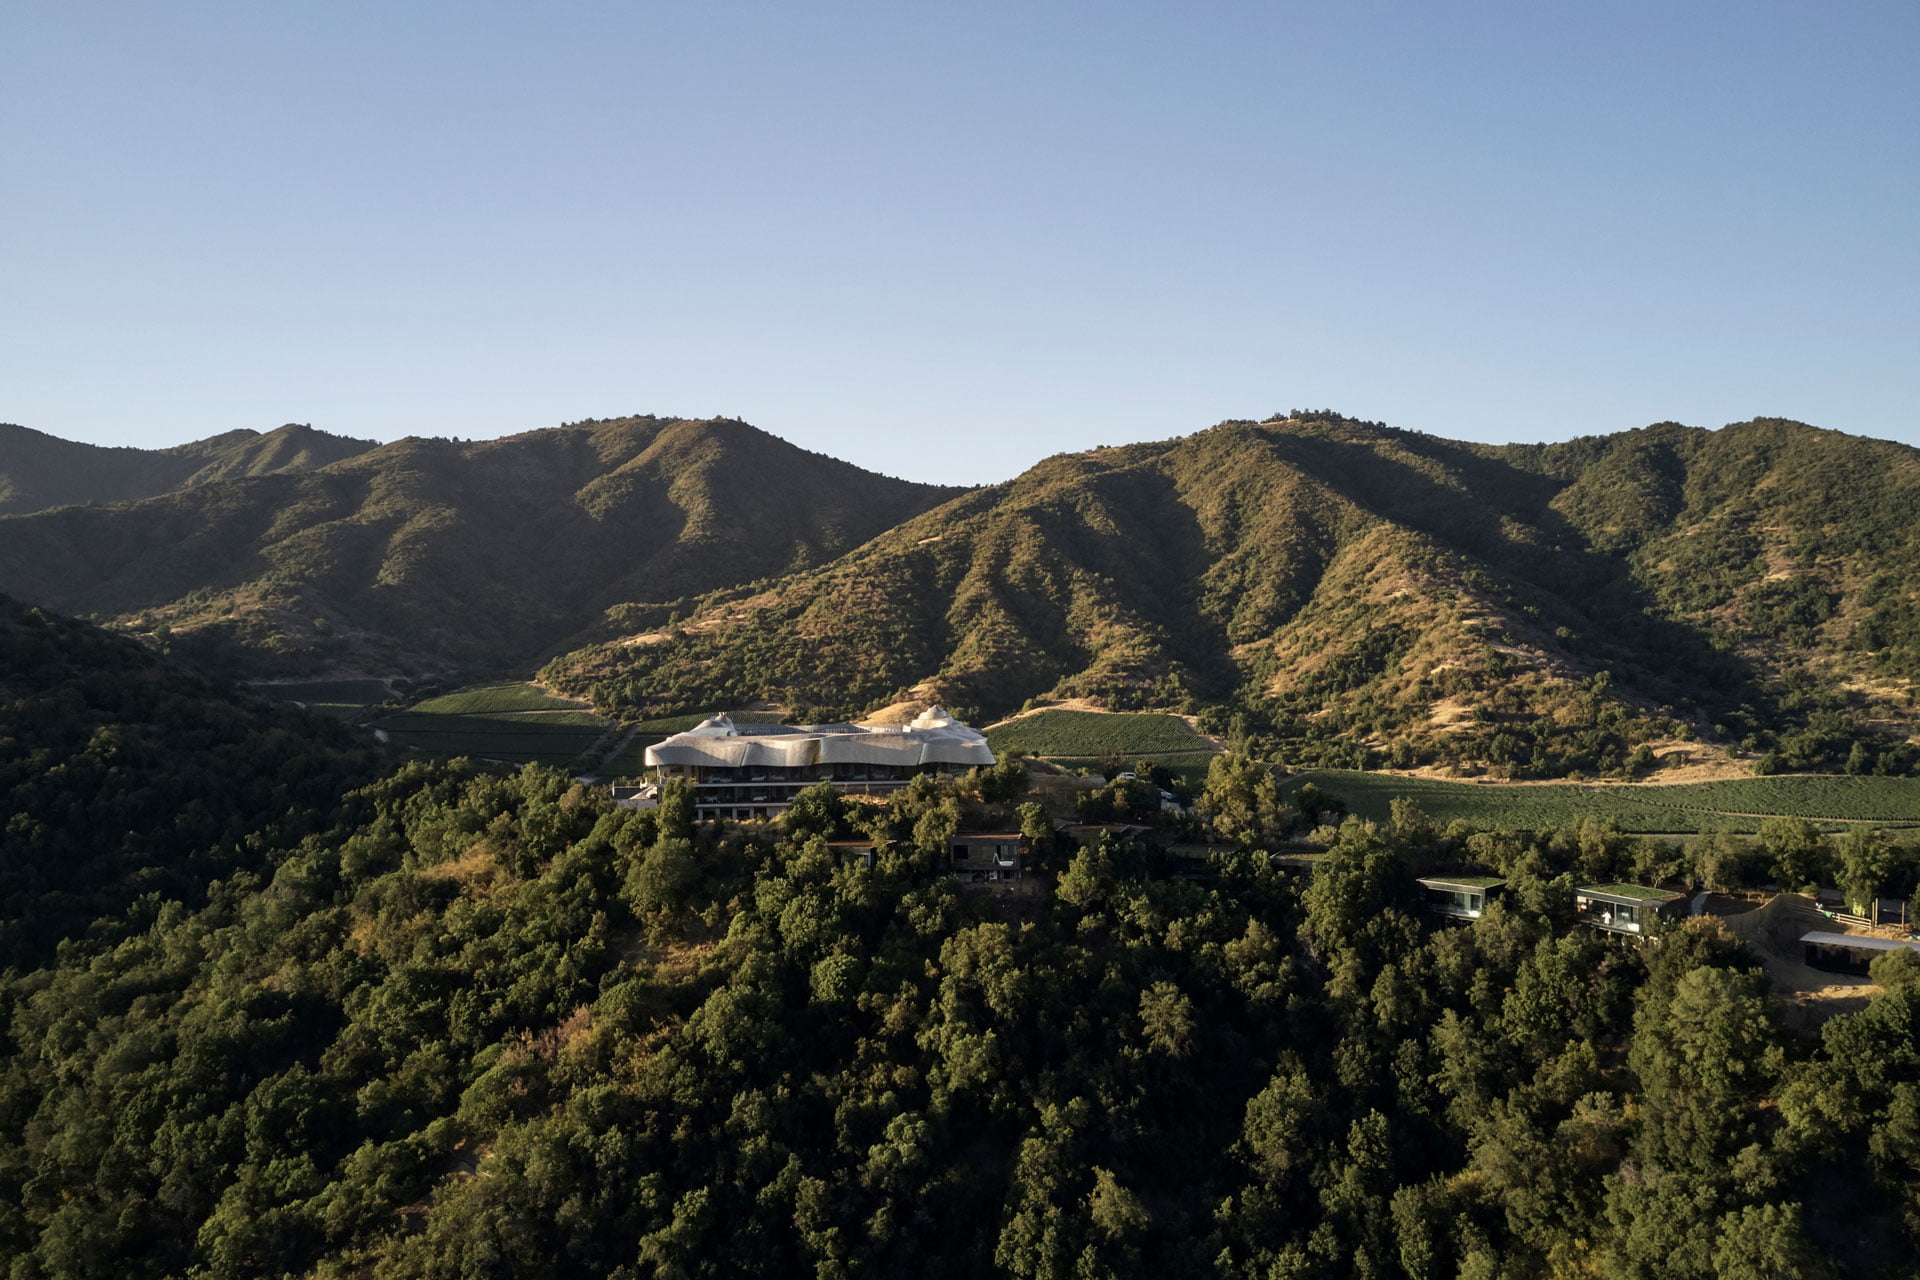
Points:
(934, 737)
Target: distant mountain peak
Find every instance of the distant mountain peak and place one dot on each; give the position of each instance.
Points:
(40, 471)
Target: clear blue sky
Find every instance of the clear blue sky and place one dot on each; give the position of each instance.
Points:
(945, 240)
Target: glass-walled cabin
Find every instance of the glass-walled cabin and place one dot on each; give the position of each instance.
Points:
(1625, 908)
(1460, 897)
(977, 857)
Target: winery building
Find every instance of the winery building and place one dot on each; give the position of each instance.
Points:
(746, 771)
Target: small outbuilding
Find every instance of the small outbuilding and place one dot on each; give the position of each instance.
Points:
(1626, 908)
(853, 853)
(1298, 861)
(1848, 952)
(1460, 897)
(980, 856)
(1193, 860)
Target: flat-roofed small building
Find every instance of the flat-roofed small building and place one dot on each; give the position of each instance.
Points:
(1848, 952)
(1625, 908)
(979, 856)
(1191, 860)
(1460, 897)
(755, 770)
(853, 853)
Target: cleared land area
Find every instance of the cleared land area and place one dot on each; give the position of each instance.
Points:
(1090, 735)
(1739, 806)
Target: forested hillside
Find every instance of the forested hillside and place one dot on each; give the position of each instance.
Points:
(128, 779)
(38, 471)
(492, 1027)
(341, 1017)
(430, 554)
(1340, 593)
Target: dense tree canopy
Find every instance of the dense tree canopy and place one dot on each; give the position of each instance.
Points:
(495, 1026)
(464, 1022)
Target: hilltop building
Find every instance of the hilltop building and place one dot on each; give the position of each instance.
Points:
(754, 770)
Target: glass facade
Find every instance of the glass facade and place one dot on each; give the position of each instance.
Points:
(765, 791)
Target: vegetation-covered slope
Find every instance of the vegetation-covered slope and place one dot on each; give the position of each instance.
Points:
(1348, 593)
(122, 775)
(441, 1021)
(491, 1026)
(431, 553)
(38, 471)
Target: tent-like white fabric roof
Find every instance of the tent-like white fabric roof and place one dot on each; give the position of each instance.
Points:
(934, 737)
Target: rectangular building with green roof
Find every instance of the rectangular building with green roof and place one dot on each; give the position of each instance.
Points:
(1626, 908)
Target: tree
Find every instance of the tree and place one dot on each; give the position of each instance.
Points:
(661, 880)
(1704, 1061)
(1004, 783)
(1242, 801)
(1281, 1128)
(1866, 860)
(1796, 850)
(1166, 1018)
(1765, 1242)
(676, 809)
(816, 811)
(1895, 969)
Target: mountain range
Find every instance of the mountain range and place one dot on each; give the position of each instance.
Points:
(41, 471)
(428, 555)
(1326, 590)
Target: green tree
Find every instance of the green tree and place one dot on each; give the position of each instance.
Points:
(1166, 1018)
(1241, 800)
(1865, 862)
(1796, 850)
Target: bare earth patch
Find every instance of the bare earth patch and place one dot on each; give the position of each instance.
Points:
(1809, 996)
(1680, 763)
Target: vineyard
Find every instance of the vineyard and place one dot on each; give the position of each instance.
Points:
(516, 722)
(493, 699)
(1093, 734)
(1740, 805)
